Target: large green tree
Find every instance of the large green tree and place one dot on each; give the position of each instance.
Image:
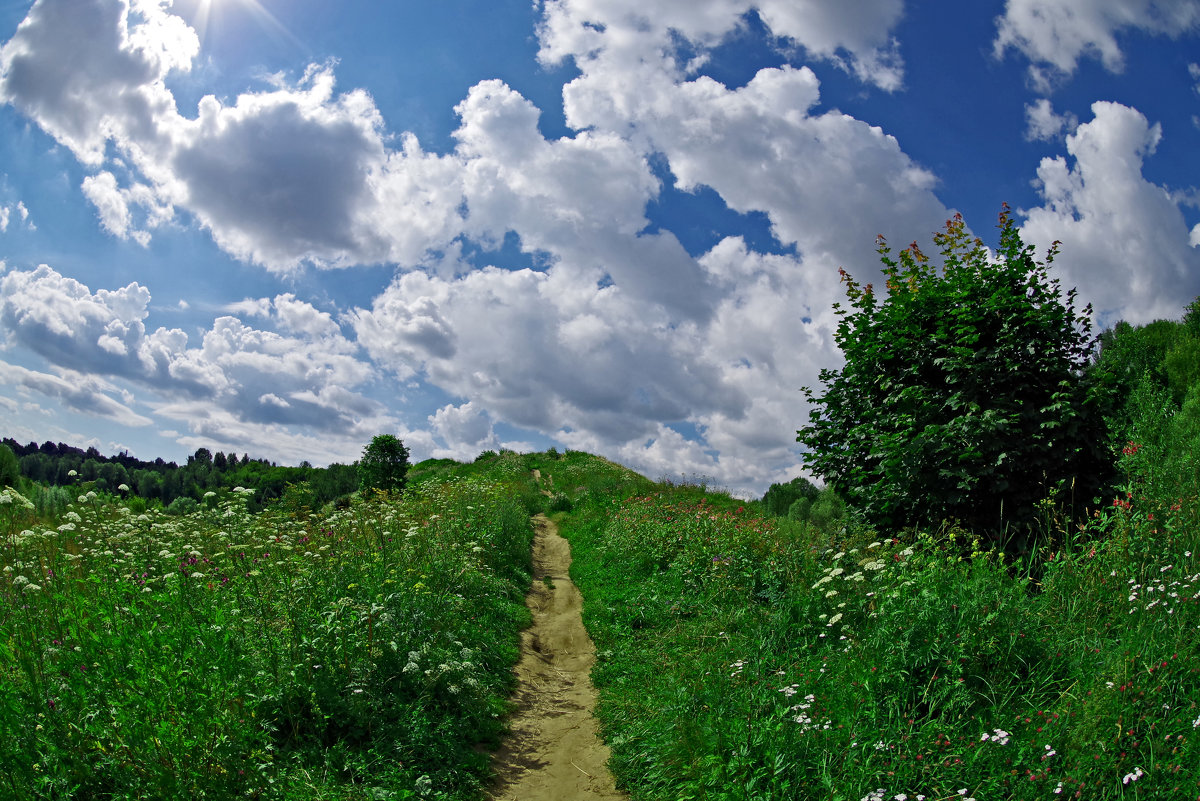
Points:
(384, 465)
(964, 395)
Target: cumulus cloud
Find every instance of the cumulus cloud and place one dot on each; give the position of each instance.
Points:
(1125, 243)
(466, 431)
(1055, 34)
(81, 393)
(621, 341)
(287, 175)
(1043, 124)
(303, 374)
(854, 35)
(91, 70)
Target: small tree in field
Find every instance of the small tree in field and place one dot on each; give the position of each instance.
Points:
(384, 465)
(964, 394)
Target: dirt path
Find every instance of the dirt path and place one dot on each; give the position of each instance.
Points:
(554, 751)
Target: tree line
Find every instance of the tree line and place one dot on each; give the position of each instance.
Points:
(179, 486)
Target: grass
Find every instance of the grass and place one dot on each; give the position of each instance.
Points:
(751, 658)
(366, 652)
(355, 653)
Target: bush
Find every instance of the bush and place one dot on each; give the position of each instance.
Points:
(779, 498)
(183, 506)
(963, 394)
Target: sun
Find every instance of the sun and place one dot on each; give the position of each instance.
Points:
(207, 14)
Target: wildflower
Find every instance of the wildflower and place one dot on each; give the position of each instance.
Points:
(999, 736)
(11, 496)
(123, 487)
(834, 619)
(1132, 777)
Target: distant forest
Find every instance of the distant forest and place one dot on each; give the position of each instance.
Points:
(179, 487)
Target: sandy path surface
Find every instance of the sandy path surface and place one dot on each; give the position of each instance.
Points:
(554, 750)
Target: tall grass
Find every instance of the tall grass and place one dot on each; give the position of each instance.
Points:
(746, 658)
(358, 653)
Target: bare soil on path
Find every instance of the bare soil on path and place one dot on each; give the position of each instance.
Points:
(554, 751)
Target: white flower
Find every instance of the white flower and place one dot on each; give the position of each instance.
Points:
(123, 487)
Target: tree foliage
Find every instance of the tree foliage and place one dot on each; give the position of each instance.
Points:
(384, 465)
(160, 482)
(10, 468)
(964, 395)
(779, 498)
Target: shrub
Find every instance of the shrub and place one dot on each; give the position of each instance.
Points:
(779, 498)
(963, 394)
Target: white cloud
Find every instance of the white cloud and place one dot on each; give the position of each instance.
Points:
(89, 70)
(18, 208)
(114, 206)
(1124, 240)
(1055, 34)
(466, 431)
(79, 392)
(854, 35)
(285, 176)
(305, 374)
(1043, 124)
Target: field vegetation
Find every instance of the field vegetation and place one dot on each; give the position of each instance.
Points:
(355, 652)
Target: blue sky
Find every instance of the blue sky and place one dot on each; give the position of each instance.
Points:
(280, 228)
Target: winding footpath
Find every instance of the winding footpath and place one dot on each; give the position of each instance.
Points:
(554, 751)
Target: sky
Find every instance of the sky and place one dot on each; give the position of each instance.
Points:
(281, 228)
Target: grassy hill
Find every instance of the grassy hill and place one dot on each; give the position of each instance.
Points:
(365, 651)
